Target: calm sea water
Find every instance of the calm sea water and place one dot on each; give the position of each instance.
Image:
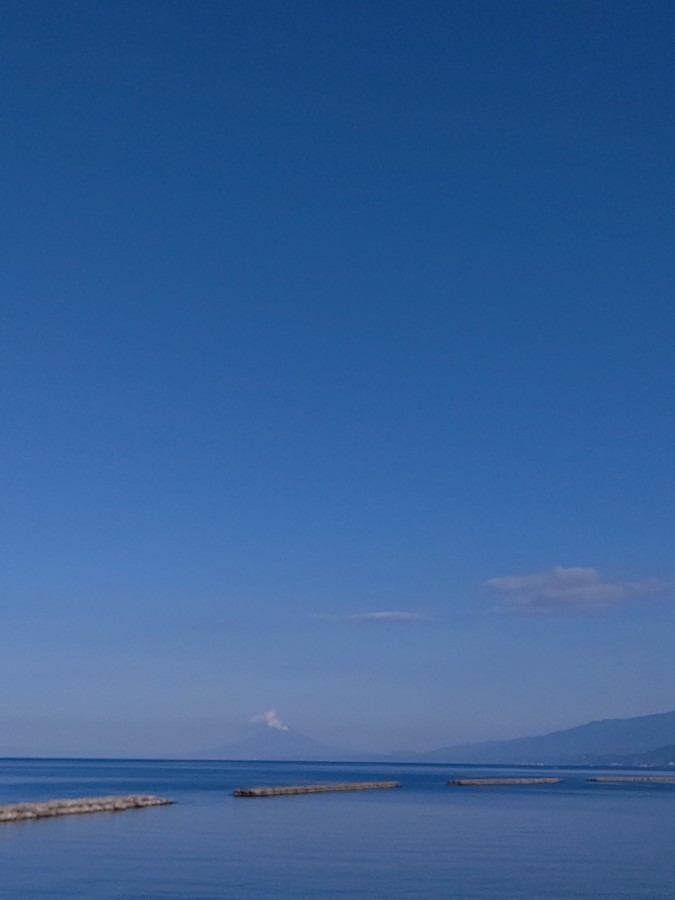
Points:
(426, 840)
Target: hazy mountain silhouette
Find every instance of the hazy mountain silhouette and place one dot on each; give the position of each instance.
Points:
(573, 745)
(661, 757)
(265, 743)
(643, 740)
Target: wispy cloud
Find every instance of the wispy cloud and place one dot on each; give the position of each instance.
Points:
(389, 615)
(573, 588)
(271, 719)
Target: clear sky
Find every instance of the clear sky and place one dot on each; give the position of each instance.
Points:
(337, 369)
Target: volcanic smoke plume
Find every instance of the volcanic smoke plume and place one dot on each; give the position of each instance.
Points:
(271, 719)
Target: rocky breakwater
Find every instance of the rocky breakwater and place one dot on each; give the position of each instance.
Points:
(633, 779)
(18, 812)
(287, 789)
(480, 782)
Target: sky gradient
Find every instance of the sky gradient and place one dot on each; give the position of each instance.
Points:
(337, 369)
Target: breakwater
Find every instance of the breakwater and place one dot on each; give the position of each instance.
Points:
(468, 782)
(284, 790)
(633, 779)
(17, 812)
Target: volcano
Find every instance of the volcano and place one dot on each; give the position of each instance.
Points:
(268, 743)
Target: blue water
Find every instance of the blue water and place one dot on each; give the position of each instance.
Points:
(426, 840)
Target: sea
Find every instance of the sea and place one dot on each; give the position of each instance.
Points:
(575, 839)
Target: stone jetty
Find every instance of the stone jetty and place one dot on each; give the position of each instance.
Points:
(633, 779)
(285, 790)
(17, 812)
(470, 782)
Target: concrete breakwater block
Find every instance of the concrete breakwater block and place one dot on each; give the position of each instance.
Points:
(285, 790)
(17, 812)
(633, 779)
(468, 782)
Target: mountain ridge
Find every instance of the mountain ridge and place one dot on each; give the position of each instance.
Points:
(647, 740)
(635, 735)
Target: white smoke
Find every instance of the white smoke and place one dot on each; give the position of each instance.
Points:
(271, 719)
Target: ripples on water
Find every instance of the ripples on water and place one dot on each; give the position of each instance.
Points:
(427, 840)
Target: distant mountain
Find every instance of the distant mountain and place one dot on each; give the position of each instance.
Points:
(601, 739)
(640, 741)
(265, 743)
(660, 758)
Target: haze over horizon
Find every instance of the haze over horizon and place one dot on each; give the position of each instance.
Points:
(337, 373)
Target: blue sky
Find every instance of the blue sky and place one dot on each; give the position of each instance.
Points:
(318, 310)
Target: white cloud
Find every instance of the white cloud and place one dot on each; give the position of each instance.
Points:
(390, 615)
(271, 719)
(573, 588)
(386, 616)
